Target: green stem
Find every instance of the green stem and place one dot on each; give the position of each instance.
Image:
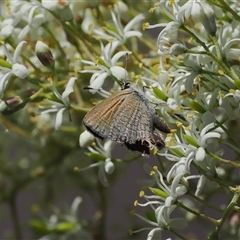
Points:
(190, 51)
(212, 220)
(103, 206)
(15, 219)
(204, 202)
(36, 94)
(210, 177)
(229, 134)
(216, 3)
(217, 47)
(79, 109)
(229, 162)
(176, 233)
(228, 9)
(55, 76)
(215, 234)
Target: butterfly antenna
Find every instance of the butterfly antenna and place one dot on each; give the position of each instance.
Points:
(89, 88)
(126, 62)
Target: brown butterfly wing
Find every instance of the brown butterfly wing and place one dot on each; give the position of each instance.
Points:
(127, 117)
(132, 120)
(99, 119)
(133, 124)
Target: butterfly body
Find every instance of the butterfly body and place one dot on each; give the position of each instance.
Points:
(127, 117)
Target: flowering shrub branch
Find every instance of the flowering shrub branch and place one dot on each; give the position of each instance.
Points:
(183, 54)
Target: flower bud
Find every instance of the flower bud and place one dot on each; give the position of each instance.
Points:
(109, 166)
(11, 105)
(206, 17)
(44, 54)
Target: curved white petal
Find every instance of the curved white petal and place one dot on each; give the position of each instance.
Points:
(98, 82)
(169, 201)
(200, 154)
(30, 15)
(85, 139)
(181, 190)
(132, 34)
(150, 235)
(88, 62)
(230, 43)
(108, 50)
(119, 72)
(18, 51)
(68, 90)
(189, 160)
(6, 52)
(209, 135)
(116, 57)
(175, 183)
(23, 33)
(206, 128)
(117, 23)
(135, 21)
(59, 118)
(94, 76)
(19, 70)
(109, 166)
(200, 185)
(176, 168)
(102, 176)
(4, 81)
(49, 111)
(75, 204)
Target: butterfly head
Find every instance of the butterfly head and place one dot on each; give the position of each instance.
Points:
(125, 85)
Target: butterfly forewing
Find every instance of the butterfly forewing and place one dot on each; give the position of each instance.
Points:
(99, 119)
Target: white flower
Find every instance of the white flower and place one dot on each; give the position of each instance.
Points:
(175, 190)
(61, 106)
(24, 12)
(89, 22)
(16, 69)
(163, 203)
(200, 11)
(106, 66)
(167, 37)
(123, 33)
(102, 153)
(205, 134)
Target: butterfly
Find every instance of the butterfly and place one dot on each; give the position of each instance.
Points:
(129, 118)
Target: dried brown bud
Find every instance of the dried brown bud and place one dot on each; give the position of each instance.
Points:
(44, 54)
